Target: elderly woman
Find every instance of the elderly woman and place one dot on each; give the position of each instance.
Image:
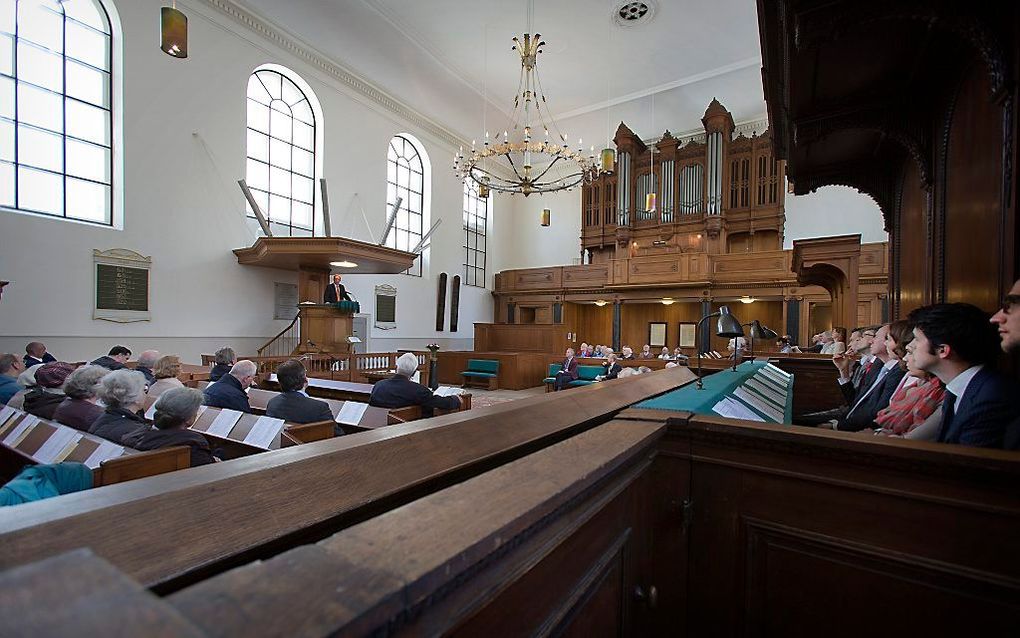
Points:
(224, 361)
(664, 355)
(80, 408)
(27, 381)
(43, 399)
(123, 393)
(166, 370)
(177, 409)
(838, 340)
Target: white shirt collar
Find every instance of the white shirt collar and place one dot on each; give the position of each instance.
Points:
(890, 364)
(959, 385)
(868, 358)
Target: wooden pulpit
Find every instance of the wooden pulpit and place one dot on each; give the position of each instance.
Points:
(325, 328)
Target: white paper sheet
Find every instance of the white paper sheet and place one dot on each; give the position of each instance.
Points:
(224, 423)
(54, 448)
(735, 410)
(263, 432)
(351, 413)
(778, 385)
(779, 372)
(448, 391)
(6, 412)
(20, 430)
(759, 404)
(106, 451)
(767, 391)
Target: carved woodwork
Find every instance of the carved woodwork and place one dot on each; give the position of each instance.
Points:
(698, 204)
(928, 130)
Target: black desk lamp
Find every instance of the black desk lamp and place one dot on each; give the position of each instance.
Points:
(759, 331)
(728, 326)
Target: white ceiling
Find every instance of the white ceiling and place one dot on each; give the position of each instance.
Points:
(442, 57)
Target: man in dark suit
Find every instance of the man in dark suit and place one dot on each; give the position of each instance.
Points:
(335, 292)
(1007, 322)
(568, 373)
(956, 343)
(292, 404)
(399, 391)
(35, 353)
(229, 392)
(118, 356)
(870, 371)
(612, 368)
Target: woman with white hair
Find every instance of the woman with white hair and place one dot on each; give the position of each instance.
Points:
(123, 393)
(27, 381)
(177, 409)
(399, 391)
(80, 408)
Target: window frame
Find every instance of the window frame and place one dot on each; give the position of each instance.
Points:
(413, 236)
(285, 75)
(112, 95)
(472, 271)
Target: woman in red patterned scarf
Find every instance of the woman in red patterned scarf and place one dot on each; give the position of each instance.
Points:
(919, 394)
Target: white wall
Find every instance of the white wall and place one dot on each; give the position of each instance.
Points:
(833, 210)
(184, 210)
(530, 245)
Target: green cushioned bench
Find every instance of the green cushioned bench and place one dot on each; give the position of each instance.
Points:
(483, 372)
(585, 376)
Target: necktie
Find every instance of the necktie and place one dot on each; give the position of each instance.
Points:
(337, 291)
(948, 412)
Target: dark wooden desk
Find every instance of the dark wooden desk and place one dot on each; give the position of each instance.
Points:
(326, 389)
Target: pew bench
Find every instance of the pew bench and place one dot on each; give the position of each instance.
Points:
(483, 372)
(29, 440)
(585, 376)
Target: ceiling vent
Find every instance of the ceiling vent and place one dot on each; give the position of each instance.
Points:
(629, 14)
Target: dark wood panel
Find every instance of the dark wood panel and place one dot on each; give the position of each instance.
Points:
(974, 225)
(517, 370)
(913, 263)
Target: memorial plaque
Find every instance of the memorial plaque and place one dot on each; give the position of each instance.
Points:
(121, 285)
(122, 288)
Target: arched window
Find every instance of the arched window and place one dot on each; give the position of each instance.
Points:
(406, 178)
(282, 143)
(476, 217)
(56, 109)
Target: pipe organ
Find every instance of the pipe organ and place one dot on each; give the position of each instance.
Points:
(715, 193)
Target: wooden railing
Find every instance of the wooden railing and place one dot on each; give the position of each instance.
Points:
(284, 343)
(338, 367)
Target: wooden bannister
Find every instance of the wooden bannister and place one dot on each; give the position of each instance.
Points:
(283, 343)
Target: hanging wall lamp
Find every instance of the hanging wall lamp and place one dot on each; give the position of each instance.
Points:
(546, 215)
(173, 31)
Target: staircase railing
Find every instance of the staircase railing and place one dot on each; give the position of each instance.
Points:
(284, 343)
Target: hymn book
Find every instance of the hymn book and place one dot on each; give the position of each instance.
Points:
(21, 430)
(351, 413)
(264, 432)
(223, 423)
(104, 452)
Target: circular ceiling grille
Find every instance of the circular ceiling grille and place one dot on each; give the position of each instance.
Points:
(629, 14)
(633, 11)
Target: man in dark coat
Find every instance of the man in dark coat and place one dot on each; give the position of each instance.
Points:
(229, 392)
(292, 404)
(118, 356)
(35, 353)
(399, 391)
(335, 292)
(569, 371)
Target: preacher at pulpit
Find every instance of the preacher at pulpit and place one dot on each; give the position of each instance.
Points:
(335, 292)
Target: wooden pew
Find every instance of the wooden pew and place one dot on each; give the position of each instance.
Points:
(44, 442)
(329, 485)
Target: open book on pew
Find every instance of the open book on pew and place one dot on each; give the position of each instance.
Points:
(25, 438)
(448, 391)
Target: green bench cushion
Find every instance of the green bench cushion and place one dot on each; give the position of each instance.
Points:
(470, 373)
(585, 374)
(488, 366)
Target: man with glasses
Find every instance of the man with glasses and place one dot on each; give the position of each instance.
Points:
(1007, 320)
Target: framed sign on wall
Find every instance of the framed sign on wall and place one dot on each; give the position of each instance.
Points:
(121, 285)
(688, 334)
(657, 334)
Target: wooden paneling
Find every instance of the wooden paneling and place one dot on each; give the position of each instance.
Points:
(974, 232)
(490, 337)
(517, 370)
(586, 276)
(594, 324)
(911, 264)
(815, 382)
(538, 279)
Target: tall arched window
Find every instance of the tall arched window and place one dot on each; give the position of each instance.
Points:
(406, 179)
(281, 167)
(56, 109)
(476, 217)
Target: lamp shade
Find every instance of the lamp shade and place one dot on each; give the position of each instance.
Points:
(608, 160)
(546, 214)
(759, 331)
(173, 30)
(728, 325)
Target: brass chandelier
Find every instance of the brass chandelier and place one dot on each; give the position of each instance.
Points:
(520, 163)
